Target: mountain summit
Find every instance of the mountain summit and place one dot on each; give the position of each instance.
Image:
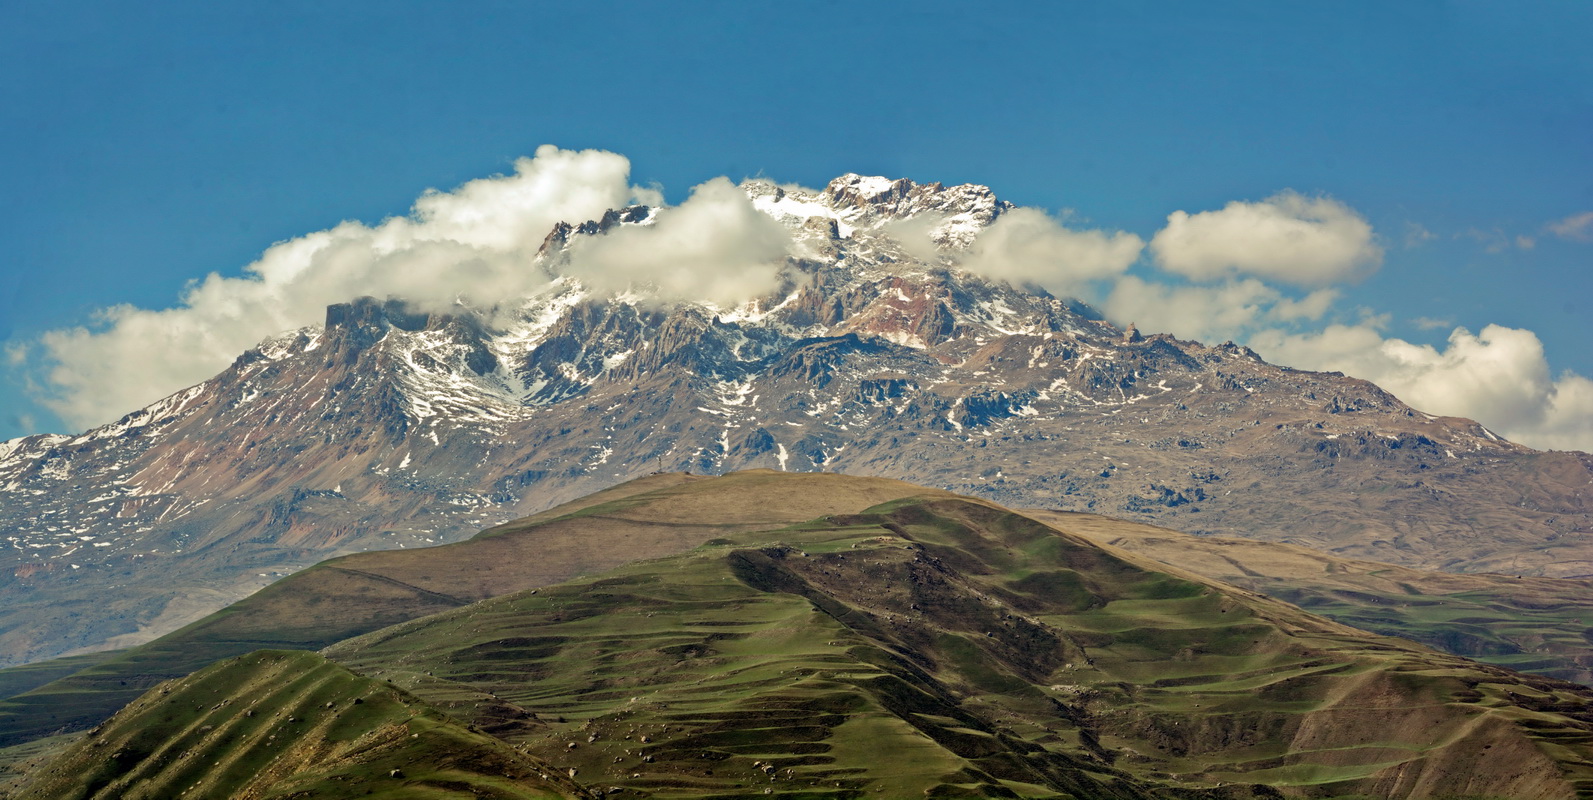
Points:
(874, 354)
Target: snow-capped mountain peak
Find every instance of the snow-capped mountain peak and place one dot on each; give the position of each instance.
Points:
(389, 427)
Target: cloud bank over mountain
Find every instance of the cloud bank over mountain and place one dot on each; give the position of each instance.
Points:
(1238, 255)
(1028, 246)
(1232, 309)
(715, 246)
(474, 244)
(1265, 273)
(1498, 376)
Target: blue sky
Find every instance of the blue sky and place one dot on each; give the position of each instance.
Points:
(148, 145)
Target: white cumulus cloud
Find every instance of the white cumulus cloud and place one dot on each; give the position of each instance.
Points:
(474, 243)
(1498, 376)
(1230, 310)
(715, 246)
(1290, 238)
(1028, 246)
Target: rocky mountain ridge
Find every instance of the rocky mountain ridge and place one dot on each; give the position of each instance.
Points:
(386, 427)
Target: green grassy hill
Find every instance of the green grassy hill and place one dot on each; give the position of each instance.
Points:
(280, 724)
(899, 642)
(343, 597)
(948, 648)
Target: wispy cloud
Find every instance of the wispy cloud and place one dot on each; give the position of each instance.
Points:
(22, 422)
(1577, 227)
(1497, 241)
(1417, 235)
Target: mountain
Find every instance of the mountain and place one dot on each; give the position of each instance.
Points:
(931, 645)
(388, 428)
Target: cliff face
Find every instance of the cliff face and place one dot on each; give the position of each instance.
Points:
(387, 428)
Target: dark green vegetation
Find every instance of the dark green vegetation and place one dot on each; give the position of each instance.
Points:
(1538, 625)
(277, 724)
(916, 645)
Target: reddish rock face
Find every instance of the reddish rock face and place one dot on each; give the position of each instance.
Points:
(388, 428)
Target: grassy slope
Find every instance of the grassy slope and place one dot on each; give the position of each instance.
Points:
(16, 680)
(283, 724)
(1538, 625)
(343, 597)
(934, 645)
(20, 763)
(948, 647)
